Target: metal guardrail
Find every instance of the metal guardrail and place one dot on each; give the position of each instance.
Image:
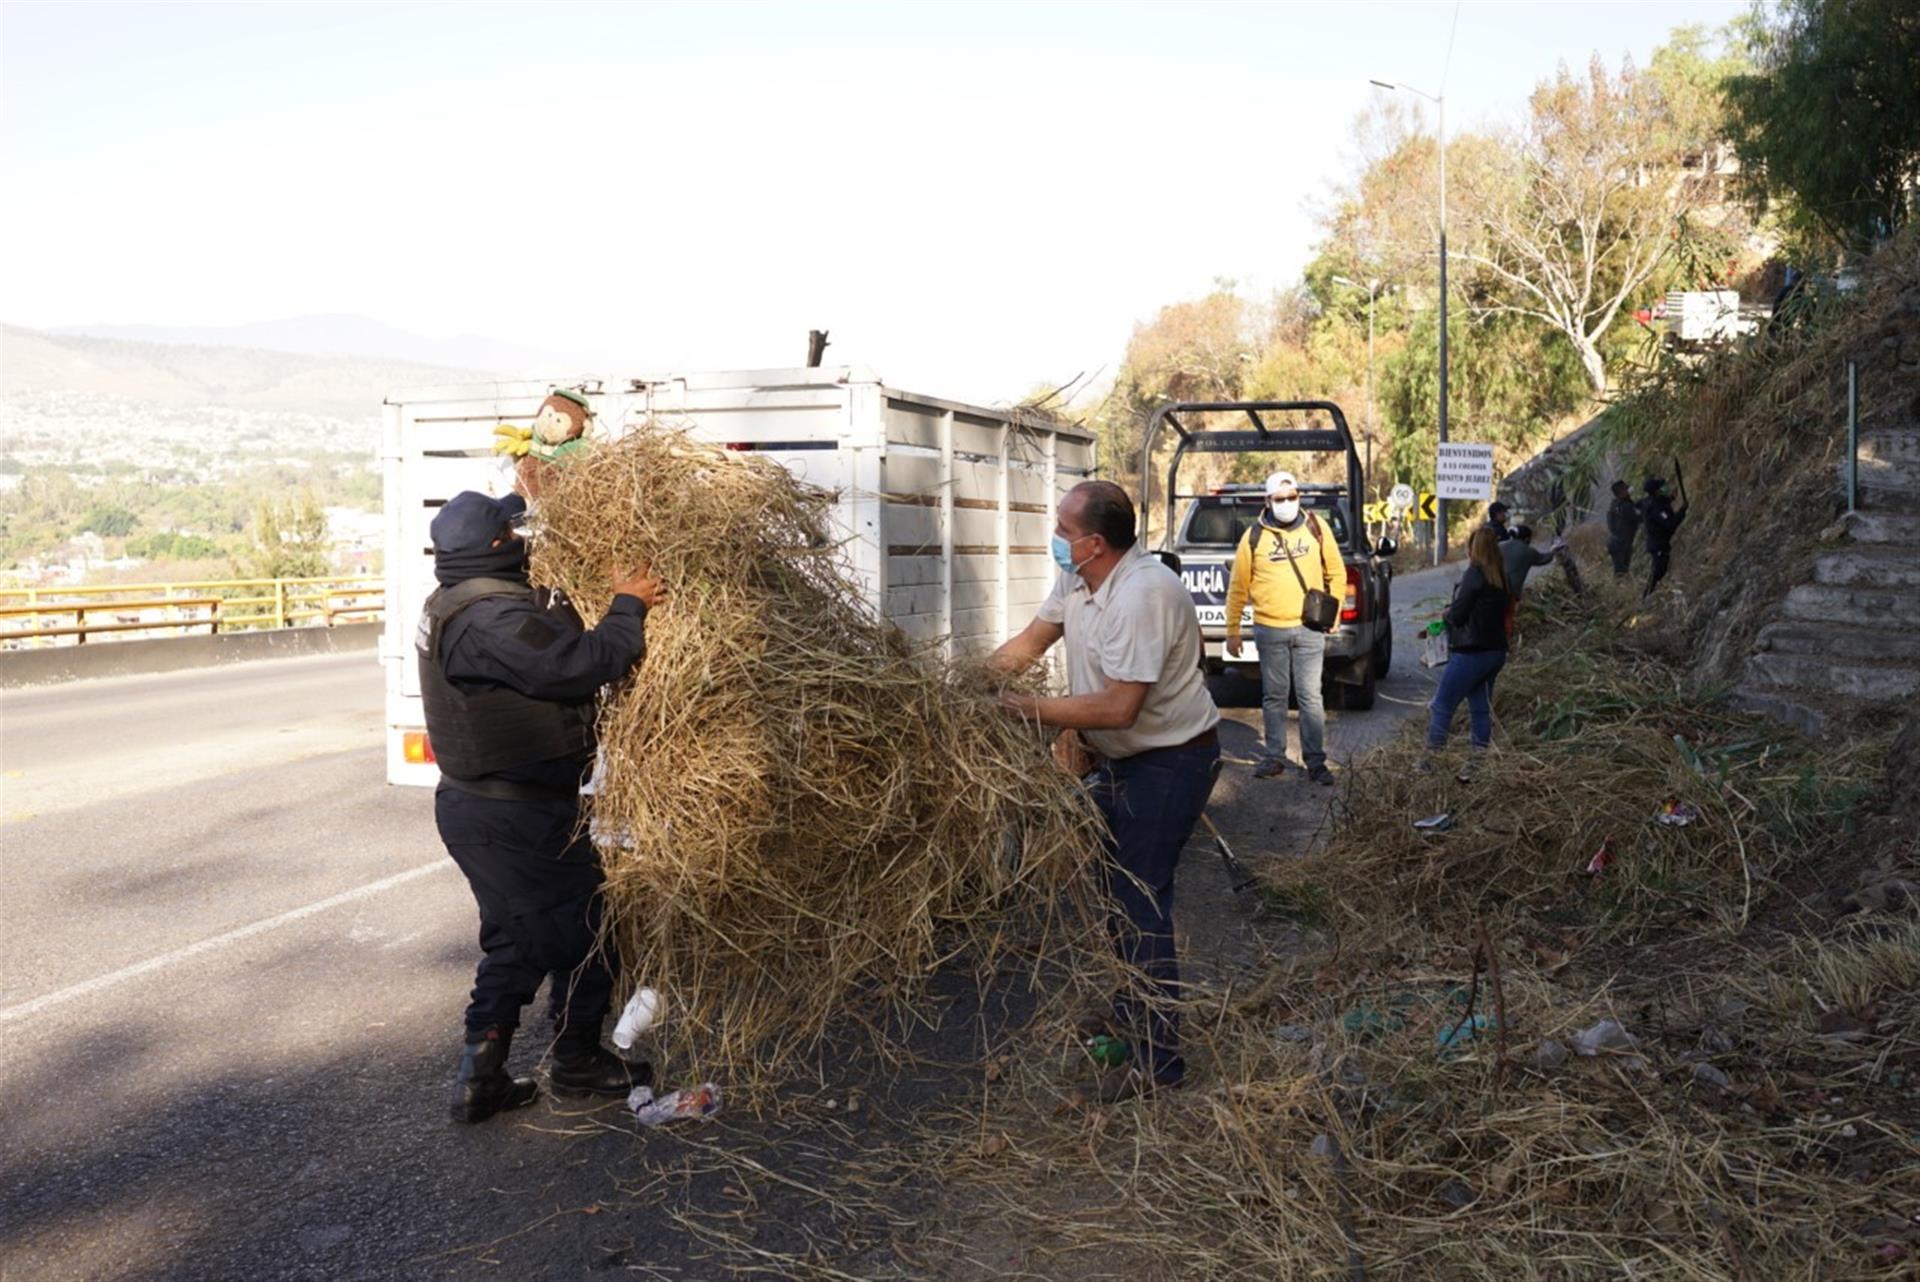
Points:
(229, 605)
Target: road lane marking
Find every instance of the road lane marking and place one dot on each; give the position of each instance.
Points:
(234, 936)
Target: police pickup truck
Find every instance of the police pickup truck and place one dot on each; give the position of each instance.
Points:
(1208, 531)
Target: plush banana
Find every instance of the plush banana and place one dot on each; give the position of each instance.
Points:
(512, 441)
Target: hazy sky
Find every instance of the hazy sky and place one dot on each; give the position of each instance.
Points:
(973, 197)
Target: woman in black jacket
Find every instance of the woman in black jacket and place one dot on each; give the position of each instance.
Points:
(1476, 643)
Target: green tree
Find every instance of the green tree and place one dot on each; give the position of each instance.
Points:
(108, 520)
(39, 513)
(1511, 381)
(1691, 71)
(171, 545)
(1827, 127)
(289, 538)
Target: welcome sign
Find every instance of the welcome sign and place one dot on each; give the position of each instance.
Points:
(1464, 472)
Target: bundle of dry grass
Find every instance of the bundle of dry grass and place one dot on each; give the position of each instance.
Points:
(796, 804)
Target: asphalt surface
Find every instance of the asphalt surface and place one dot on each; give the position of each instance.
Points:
(230, 990)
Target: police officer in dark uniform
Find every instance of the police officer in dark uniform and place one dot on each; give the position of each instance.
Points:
(509, 677)
(1623, 522)
(1663, 519)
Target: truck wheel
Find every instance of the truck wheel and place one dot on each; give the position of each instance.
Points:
(1359, 698)
(1383, 653)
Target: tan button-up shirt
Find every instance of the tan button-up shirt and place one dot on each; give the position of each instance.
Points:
(1139, 626)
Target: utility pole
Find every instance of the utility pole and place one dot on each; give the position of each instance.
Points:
(1439, 100)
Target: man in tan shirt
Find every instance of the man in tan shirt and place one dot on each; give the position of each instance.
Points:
(1287, 551)
(1137, 698)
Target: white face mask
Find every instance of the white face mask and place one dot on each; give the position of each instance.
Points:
(1285, 511)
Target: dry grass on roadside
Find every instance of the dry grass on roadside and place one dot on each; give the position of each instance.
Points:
(1401, 1102)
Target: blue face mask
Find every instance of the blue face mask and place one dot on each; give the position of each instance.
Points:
(1063, 554)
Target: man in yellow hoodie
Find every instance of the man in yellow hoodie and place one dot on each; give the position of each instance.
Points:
(1282, 555)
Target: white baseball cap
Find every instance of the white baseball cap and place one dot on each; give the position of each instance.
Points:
(1281, 481)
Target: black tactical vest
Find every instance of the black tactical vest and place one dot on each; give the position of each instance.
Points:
(495, 728)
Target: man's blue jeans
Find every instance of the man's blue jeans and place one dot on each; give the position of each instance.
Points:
(1151, 802)
(1469, 677)
(1292, 659)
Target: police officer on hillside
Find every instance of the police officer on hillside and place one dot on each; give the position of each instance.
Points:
(1662, 520)
(509, 677)
(1623, 522)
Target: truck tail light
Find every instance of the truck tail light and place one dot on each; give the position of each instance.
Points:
(1356, 598)
(415, 748)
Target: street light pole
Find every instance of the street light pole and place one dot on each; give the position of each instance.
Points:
(1439, 101)
(1439, 504)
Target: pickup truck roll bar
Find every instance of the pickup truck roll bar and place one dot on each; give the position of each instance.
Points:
(1193, 440)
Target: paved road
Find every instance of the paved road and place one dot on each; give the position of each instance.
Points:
(230, 987)
(1280, 818)
(230, 991)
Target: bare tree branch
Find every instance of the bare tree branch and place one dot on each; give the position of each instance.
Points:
(1570, 219)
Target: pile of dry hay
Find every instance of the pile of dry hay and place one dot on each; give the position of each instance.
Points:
(1347, 1118)
(797, 806)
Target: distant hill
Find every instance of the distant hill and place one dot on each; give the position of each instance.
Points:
(35, 365)
(337, 335)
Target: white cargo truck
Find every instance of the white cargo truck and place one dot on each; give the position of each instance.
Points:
(946, 509)
(1696, 317)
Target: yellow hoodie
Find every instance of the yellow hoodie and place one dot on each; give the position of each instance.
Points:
(1277, 594)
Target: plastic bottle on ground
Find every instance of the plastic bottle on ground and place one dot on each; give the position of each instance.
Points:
(701, 1101)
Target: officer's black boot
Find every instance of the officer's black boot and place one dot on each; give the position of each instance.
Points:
(483, 1086)
(582, 1066)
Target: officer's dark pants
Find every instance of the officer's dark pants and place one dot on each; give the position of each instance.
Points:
(538, 887)
(1621, 550)
(1659, 558)
(1151, 802)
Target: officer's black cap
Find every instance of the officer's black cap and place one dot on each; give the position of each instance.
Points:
(471, 521)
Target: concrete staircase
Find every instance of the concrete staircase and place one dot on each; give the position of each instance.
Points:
(1849, 642)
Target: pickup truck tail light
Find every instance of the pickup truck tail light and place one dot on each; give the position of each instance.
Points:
(415, 748)
(1355, 600)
